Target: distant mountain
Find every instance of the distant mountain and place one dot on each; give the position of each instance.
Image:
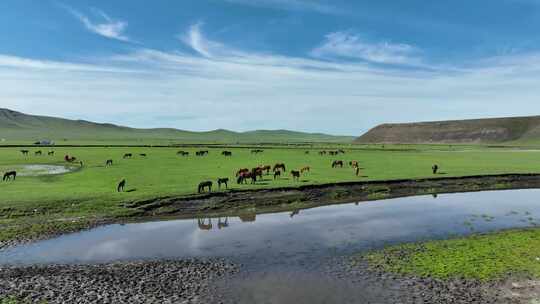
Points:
(489, 130)
(17, 126)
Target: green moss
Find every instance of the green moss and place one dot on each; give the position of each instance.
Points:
(483, 257)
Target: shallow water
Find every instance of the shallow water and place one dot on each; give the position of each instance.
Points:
(40, 170)
(278, 240)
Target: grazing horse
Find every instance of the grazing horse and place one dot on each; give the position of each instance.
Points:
(226, 153)
(203, 225)
(337, 163)
(224, 180)
(38, 153)
(121, 186)
(224, 224)
(9, 175)
(24, 152)
(256, 172)
(279, 166)
(295, 174)
(50, 153)
(266, 168)
(353, 164)
(109, 162)
(242, 171)
(277, 174)
(243, 177)
(142, 155)
(69, 159)
(305, 169)
(435, 168)
(206, 184)
(128, 155)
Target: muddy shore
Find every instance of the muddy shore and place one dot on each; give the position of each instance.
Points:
(245, 202)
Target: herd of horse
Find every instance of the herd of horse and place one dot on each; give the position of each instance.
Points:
(243, 175)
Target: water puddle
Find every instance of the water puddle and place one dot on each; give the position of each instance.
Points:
(299, 238)
(41, 170)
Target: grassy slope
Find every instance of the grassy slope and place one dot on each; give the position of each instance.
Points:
(19, 128)
(492, 130)
(483, 257)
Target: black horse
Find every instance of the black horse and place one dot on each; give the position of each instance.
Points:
(435, 168)
(109, 162)
(207, 184)
(9, 175)
(50, 153)
(142, 155)
(128, 155)
(121, 186)
(38, 153)
(295, 174)
(226, 153)
(24, 152)
(337, 163)
(223, 181)
(277, 174)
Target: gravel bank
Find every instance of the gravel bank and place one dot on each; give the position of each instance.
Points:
(183, 281)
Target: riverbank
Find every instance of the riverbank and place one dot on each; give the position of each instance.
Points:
(248, 203)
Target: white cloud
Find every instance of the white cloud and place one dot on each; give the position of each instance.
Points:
(243, 91)
(106, 27)
(346, 45)
(195, 39)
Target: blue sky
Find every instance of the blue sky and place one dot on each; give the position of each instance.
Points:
(338, 66)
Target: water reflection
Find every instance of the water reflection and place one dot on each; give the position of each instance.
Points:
(271, 239)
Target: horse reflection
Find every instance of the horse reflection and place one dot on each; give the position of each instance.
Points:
(295, 212)
(248, 217)
(224, 224)
(203, 225)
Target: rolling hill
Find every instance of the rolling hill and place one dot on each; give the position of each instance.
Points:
(18, 127)
(489, 130)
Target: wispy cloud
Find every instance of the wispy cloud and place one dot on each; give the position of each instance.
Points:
(196, 40)
(102, 24)
(298, 5)
(346, 45)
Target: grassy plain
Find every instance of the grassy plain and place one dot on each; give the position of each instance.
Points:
(89, 192)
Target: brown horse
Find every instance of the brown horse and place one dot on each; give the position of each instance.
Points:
(353, 164)
(203, 226)
(241, 171)
(266, 168)
(295, 174)
(70, 159)
(305, 169)
(337, 163)
(9, 175)
(279, 166)
(206, 184)
(257, 172)
(243, 177)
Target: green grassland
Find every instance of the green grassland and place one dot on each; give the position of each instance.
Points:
(90, 192)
